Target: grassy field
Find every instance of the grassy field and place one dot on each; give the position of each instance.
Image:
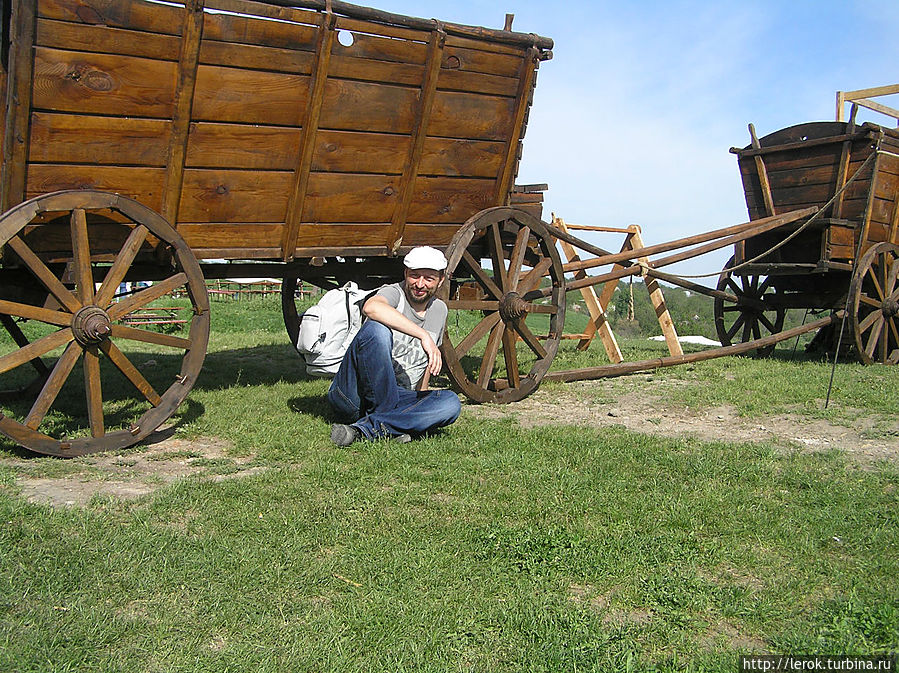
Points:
(488, 547)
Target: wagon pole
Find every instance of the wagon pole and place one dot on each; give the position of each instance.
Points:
(725, 237)
(604, 371)
(456, 29)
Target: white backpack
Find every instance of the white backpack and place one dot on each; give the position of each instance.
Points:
(327, 329)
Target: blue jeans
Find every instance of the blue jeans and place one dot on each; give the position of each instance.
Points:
(366, 394)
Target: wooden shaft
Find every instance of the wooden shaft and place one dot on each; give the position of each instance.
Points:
(590, 373)
(564, 235)
(742, 231)
(693, 287)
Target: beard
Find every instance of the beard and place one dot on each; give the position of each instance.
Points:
(418, 298)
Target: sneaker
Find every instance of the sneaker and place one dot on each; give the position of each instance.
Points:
(344, 435)
(404, 438)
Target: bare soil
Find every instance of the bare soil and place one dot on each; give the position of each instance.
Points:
(628, 403)
(129, 474)
(632, 403)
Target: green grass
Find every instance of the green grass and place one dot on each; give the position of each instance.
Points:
(484, 548)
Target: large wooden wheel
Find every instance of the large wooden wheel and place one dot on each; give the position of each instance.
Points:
(83, 320)
(495, 260)
(874, 297)
(753, 316)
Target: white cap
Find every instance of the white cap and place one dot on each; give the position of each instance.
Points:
(425, 257)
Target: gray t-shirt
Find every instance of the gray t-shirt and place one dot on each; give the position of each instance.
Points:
(409, 358)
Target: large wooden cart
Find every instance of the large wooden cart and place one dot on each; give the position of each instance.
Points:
(297, 139)
(843, 257)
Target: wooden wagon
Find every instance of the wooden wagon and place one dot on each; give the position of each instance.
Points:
(304, 139)
(842, 257)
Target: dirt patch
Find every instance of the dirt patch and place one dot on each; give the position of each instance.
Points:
(639, 406)
(132, 473)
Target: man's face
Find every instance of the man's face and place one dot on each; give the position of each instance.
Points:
(421, 285)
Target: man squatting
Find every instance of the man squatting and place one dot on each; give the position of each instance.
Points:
(376, 388)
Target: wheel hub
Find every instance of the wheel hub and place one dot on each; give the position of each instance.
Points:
(890, 308)
(91, 326)
(512, 307)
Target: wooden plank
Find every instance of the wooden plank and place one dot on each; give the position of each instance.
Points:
(266, 10)
(18, 104)
(416, 146)
(255, 57)
(445, 200)
(84, 139)
(136, 15)
(358, 233)
(351, 152)
(312, 116)
(364, 106)
(142, 184)
(261, 32)
(103, 84)
(106, 40)
(234, 196)
(222, 95)
(527, 78)
(239, 146)
(191, 34)
(232, 235)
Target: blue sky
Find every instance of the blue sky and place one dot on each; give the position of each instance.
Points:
(634, 116)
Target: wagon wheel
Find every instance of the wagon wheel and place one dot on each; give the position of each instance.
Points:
(501, 310)
(874, 293)
(88, 324)
(753, 316)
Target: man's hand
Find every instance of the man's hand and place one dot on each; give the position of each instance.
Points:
(435, 361)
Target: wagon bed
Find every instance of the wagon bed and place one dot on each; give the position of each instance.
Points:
(144, 140)
(263, 131)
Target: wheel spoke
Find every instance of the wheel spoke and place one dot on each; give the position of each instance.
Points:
(531, 280)
(865, 324)
(874, 337)
(875, 281)
(477, 333)
(748, 326)
(496, 251)
(865, 299)
(510, 355)
(732, 284)
(736, 326)
(35, 313)
(481, 276)
(472, 305)
(35, 349)
(121, 309)
(490, 353)
(517, 257)
(21, 341)
(120, 266)
(145, 336)
(53, 385)
(93, 391)
(768, 324)
(530, 339)
(118, 358)
(81, 252)
(43, 274)
(541, 308)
